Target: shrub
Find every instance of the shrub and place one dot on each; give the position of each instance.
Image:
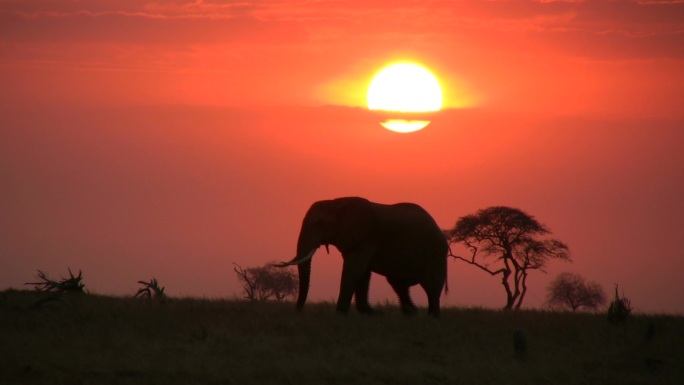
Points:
(71, 284)
(572, 291)
(266, 282)
(619, 309)
(150, 290)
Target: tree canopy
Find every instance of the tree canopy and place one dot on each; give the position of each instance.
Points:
(514, 240)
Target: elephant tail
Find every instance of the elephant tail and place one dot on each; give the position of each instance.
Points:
(446, 281)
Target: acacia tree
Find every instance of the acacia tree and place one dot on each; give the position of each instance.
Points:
(266, 282)
(514, 239)
(573, 291)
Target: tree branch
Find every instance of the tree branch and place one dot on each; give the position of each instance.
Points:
(472, 262)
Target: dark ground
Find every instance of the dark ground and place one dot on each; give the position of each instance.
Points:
(88, 339)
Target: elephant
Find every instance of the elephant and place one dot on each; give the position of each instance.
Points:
(400, 241)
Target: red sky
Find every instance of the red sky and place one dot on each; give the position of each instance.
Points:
(171, 139)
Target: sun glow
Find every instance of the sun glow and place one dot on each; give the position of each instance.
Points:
(404, 88)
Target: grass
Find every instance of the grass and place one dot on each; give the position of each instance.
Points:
(88, 339)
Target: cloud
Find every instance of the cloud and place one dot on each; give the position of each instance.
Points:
(637, 29)
(141, 28)
(287, 52)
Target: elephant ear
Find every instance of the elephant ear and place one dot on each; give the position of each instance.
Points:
(356, 224)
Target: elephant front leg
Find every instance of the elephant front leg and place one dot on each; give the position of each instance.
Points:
(353, 275)
(361, 294)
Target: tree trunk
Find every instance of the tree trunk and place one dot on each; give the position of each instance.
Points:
(510, 298)
(523, 291)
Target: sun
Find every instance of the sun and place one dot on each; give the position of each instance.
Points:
(404, 89)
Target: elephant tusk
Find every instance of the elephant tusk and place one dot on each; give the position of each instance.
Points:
(281, 264)
(296, 261)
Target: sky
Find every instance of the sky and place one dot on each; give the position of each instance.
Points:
(172, 139)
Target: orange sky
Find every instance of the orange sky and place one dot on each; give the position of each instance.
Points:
(173, 138)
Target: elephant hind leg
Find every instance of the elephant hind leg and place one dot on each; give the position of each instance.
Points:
(433, 293)
(401, 287)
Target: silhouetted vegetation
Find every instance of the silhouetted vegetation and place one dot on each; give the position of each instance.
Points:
(266, 282)
(620, 308)
(150, 290)
(106, 340)
(71, 284)
(514, 239)
(572, 291)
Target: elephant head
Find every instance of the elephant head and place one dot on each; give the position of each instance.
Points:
(344, 223)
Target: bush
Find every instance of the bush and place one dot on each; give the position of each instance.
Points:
(150, 290)
(266, 282)
(572, 291)
(619, 309)
(71, 284)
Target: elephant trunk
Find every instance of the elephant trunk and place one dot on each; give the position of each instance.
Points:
(304, 270)
(307, 244)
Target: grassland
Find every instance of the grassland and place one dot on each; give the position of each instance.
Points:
(88, 339)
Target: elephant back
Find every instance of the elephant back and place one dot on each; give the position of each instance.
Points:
(408, 228)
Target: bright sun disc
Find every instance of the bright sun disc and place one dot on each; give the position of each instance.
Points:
(404, 88)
